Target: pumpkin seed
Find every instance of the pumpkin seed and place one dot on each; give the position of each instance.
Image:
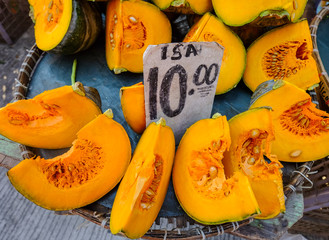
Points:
(251, 161)
(132, 19)
(295, 4)
(213, 172)
(295, 153)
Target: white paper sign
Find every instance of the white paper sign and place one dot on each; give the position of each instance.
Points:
(180, 81)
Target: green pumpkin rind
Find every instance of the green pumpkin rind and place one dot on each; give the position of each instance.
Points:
(83, 31)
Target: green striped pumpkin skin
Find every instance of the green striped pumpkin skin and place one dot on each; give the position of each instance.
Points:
(85, 27)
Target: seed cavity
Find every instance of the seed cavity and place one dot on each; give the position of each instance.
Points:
(72, 172)
(16, 117)
(285, 60)
(304, 120)
(207, 171)
(148, 197)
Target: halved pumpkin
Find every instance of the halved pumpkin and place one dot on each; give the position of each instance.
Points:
(91, 168)
(51, 119)
(251, 134)
(65, 26)
(130, 27)
(261, 12)
(144, 186)
(206, 193)
(210, 28)
(133, 106)
(301, 130)
(283, 53)
(185, 6)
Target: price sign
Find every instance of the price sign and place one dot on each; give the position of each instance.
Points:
(180, 81)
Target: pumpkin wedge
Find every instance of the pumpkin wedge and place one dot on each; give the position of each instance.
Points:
(65, 26)
(51, 119)
(204, 191)
(133, 106)
(210, 28)
(144, 186)
(251, 134)
(282, 53)
(301, 130)
(91, 168)
(131, 26)
(260, 12)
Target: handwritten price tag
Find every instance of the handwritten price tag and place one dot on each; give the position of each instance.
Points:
(180, 81)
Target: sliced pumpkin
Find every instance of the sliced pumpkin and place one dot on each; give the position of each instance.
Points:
(50, 119)
(206, 193)
(133, 106)
(65, 26)
(144, 186)
(185, 6)
(301, 130)
(251, 134)
(131, 26)
(91, 168)
(261, 12)
(210, 28)
(283, 53)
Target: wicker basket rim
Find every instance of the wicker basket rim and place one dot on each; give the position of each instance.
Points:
(198, 231)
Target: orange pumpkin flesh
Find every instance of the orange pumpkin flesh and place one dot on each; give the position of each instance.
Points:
(205, 192)
(49, 120)
(301, 130)
(210, 28)
(252, 133)
(91, 168)
(282, 53)
(133, 106)
(144, 186)
(130, 27)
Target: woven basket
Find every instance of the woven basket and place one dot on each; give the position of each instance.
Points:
(315, 222)
(175, 227)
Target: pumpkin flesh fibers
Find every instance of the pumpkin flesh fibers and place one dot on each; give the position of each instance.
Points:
(52, 20)
(49, 120)
(144, 186)
(283, 53)
(301, 130)
(201, 186)
(252, 134)
(91, 168)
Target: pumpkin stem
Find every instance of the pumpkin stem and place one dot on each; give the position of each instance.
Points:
(79, 89)
(109, 113)
(74, 70)
(278, 83)
(161, 122)
(216, 115)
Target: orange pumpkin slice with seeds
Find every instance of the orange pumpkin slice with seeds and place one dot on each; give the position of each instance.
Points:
(204, 190)
(91, 168)
(252, 134)
(130, 27)
(144, 186)
(283, 53)
(301, 130)
(51, 119)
